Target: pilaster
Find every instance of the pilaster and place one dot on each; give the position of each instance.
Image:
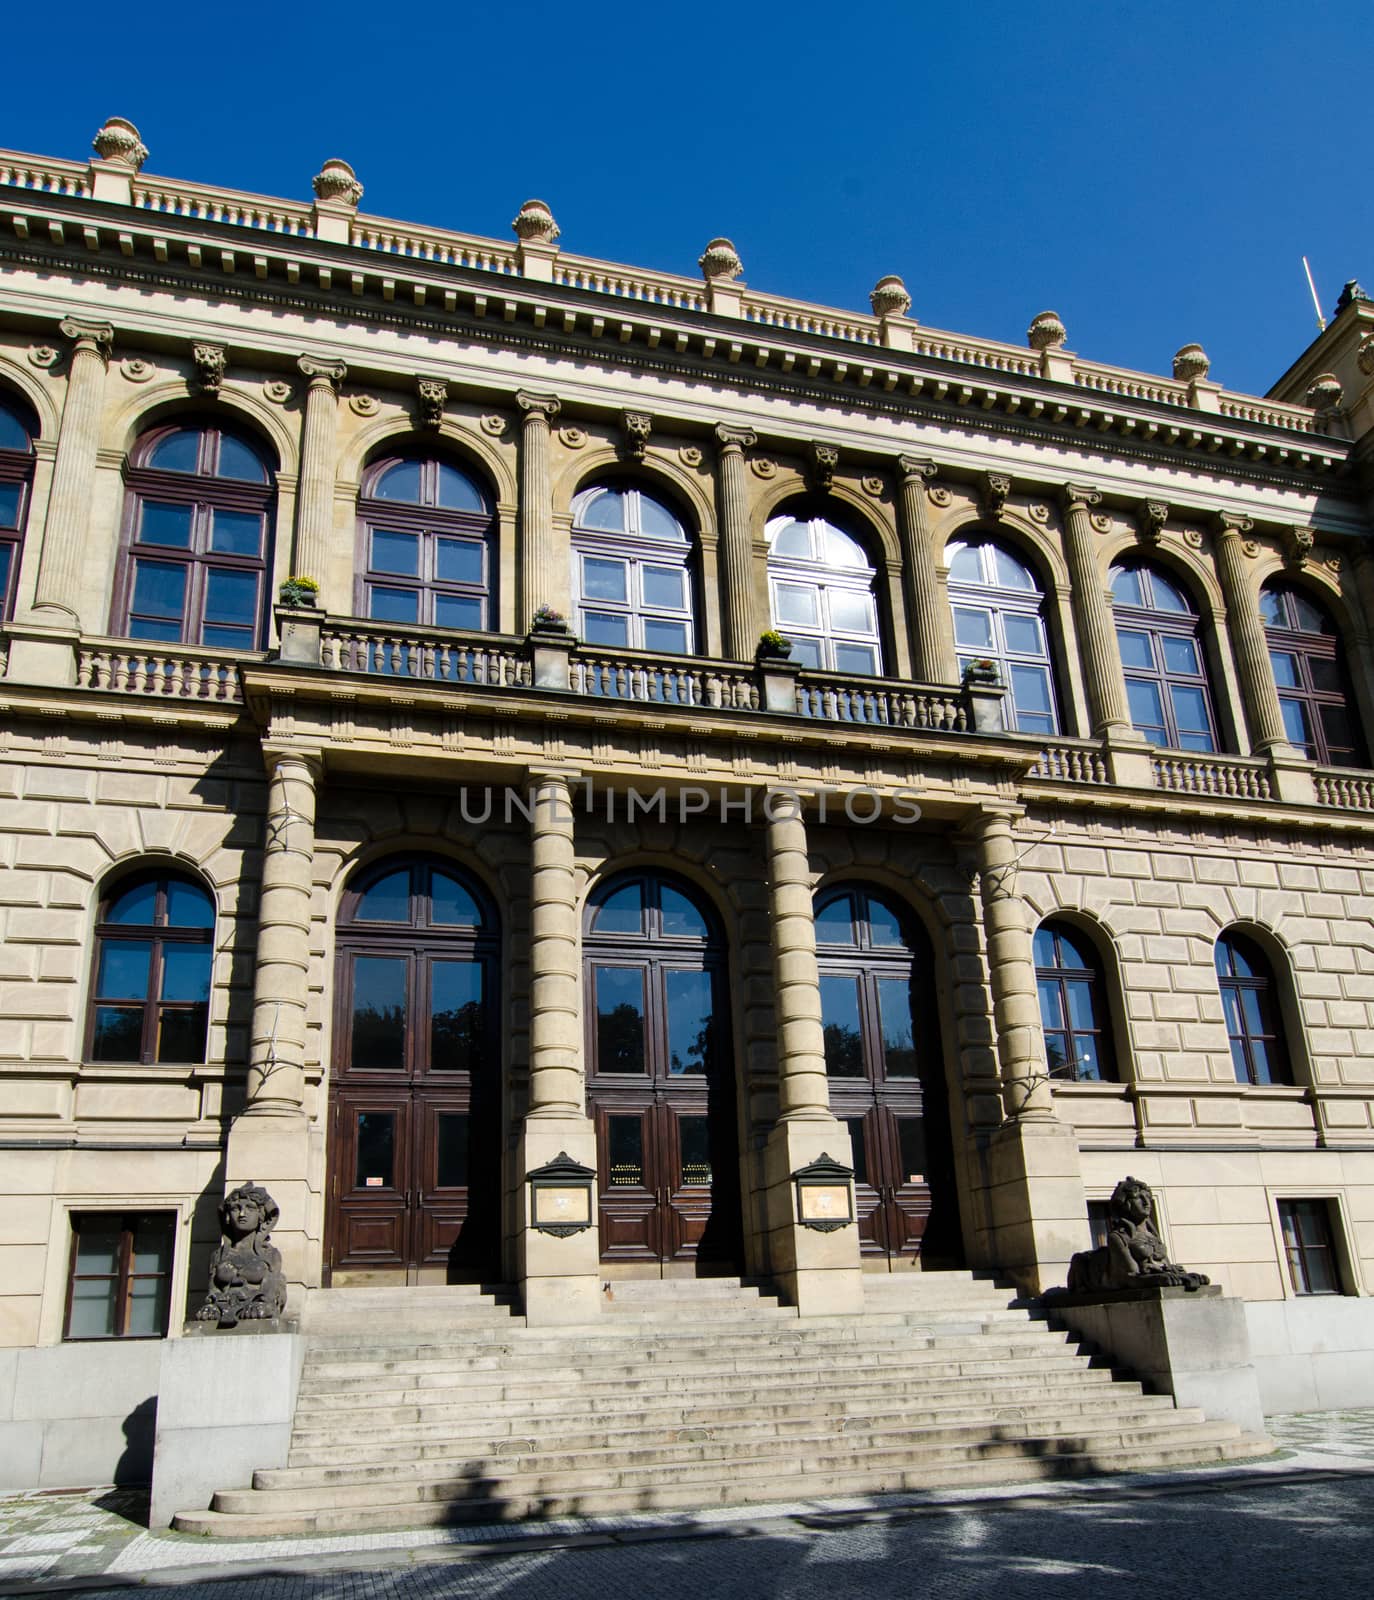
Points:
(931, 663)
(546, 580)
(315, 498)
(736, 546)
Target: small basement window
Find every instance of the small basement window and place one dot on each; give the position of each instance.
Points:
(120, 1281)
(1310, 1246)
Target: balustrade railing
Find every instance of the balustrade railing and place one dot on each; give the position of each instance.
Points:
(224, 205)
(493, 660)
(1070, 763)
(630, 283)
(659, 680)
(1350, 790)
(42, 175)
(1226, 777)
(129, 668)
(880, 702)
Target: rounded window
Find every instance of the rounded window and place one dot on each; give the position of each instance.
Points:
(821, 588)
(633, 578)
(1161, 655)
(16, 479)
(999, 616)
(1311, 677)
(1073, 1009)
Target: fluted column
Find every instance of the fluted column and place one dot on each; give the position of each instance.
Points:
(1011, 969)
(1246, 629)
(556, 1087)
(544, 584)
(315, 497)
(929, 661)
(736, 545)
(803, 1091)
(276, 1069)
(73, 479)
(1106, 683)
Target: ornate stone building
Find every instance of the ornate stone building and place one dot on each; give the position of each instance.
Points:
(404, 787)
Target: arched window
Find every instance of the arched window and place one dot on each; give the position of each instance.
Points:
(820, 580)
(197, 537)
(1073, 1005)
(427, 546)
(886, 1069)
(1161, 652)
(16, 478)
(999, 615)
(632, 577)
(1249, 999)
(659, 1080)
(150, 996)
(1310, 672)
(416, 1088)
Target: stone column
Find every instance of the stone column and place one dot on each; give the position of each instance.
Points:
(818, 1272)
(930, 662)
(736, 544)
(545, 573)
(1092, 613)
(1035, 1203)
(315, 497)
(560, 1277)
(1246, 629)
(274, 1141)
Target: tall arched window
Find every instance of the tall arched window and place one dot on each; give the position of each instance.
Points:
(1161, 652)
(999, 615)
(659, 1080)
(16, 478)
(197, 537)
(821, 587)
(1310, 672)
(1250, 1001)
(886, 1069)
(416, 1088)
(632, 576)
(150, 994)
(1073, 1005)
(427, 546)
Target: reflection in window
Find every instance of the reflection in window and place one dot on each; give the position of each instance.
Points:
(1161, 654)
(16, 477)
(1310, 674)
(619, 1019)
(1250, 1004)
(120, 1280)
(1309, 1246)
(1073, 1013)
(999, 616)
(821, 584)
(631, 572)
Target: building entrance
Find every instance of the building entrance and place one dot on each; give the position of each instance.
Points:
(414, 1186)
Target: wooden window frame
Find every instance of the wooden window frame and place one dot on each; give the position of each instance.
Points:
(1306, 648)
(16, 466)
(637, 550)
(1297, 1248)
(999, 600)
(1271, 1015)
(123, 1278)
(814, 573)
(1159, 625)
(1094, 975)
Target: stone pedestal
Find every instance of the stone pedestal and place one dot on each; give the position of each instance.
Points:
(816, 1271)
(42, 652)
(1036, 1202)
(299, 629)
(284, 1153)
(1192, 1344)
(560, 1277)
(551, 657)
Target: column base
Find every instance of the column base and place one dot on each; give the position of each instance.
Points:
(1128, 760)
(817, 1272)
(43, 651)
(1037, 1206)
(1291, 777)
(284, 1154)
(560, 1279)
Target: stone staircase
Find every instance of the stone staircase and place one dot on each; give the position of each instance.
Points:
(426, 1406)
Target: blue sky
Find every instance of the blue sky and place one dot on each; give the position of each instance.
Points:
(1152, 172)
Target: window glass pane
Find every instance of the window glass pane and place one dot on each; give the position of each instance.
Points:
(965, 565)
(1239, 1061)
(1011, 574)
(165, 524)
(794, 602)
(1325, 673)
(1030, 689)
(694, 1149)
(231, 599)
(13, 434)
(1042, 947)
(401, 482)
(178, 452)
(118, 1034)
(1135, 648)
(1250, 1011)
(93, 1309)
(136, 905)
(669, 638)
(181, 1032)
(843, 551)
(858, 1154)
(457, 611)
(148, 1307)
(606, 628)
(899, 1045)
(1126, 586)
(844, 1056)
(605, 510)
(388, 900)
(394, 552)
(457, 493)
(681, 919)
(625, 1152)
(621, 912)
(451, 906)
(451, 1150)
(124, 969)
(1308, 617)
(236, 533)
(861, 659)
(1336, 726)
(1190, 710)
(973, 629)
(379, 1011)
(1051, 1004)
(457, 1017)
(1180, 655)
(1080, 995)
(1023, 634)
(1088, 1067)
(237, 461)
(1069, 956)
(794, 540)
(852, 612)
(188, 905)
(1195, 741)
(1297, 724)
(1271, 609)
(97, 1244)
(1261, 1060)
(186, 971)
(152, 1246)
(665, 586)
(657, 520)
(393, 605)
(458, 561)
(1230, 1004)
(835, 922)
(1321, 1273)
(376, 1150)
(688, 998)
(619, 1018)
(1168, 596)
(1285, 668)
(807, 653)
(159, 599)
(911, 1146)
(9, 505)
(1147, 708)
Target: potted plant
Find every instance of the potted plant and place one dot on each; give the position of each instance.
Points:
(773, 646)
(547, 620)
(299, 593)
(982, 670)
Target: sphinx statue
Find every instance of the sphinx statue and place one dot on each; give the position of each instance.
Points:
(246, 1282)
(1133, 1256)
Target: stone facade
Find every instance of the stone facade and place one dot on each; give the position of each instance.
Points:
(275, 776)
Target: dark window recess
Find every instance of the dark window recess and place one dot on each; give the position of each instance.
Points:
(1311, 677)
(1249, 1001)
(1073, 1013)
(1309, 1246)
(1167, 687)
(1099, 1221)
(120, 1281)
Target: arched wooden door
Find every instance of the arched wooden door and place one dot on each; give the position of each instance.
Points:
(659, 1081)
(886, 1072)
(414, 1189)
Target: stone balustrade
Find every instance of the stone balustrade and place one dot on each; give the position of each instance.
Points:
(1226, 777)
(1064, 762)
(881, 702)
(126, 667)
(489, 659)
(660, 680)
(1351, 791)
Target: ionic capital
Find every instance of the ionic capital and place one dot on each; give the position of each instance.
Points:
(322, 374)
(544, 407)
(917, 468)
(1080, 497)
(735, 439)
(85, 334)
(1230, 524)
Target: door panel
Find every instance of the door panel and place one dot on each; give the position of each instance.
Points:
(628, 1201)
(371, 1150)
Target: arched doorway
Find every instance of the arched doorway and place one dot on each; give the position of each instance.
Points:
(885, 1066)
(415, 1106)
(660, 1084)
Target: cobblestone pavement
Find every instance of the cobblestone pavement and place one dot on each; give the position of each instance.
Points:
(1292, 1525)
